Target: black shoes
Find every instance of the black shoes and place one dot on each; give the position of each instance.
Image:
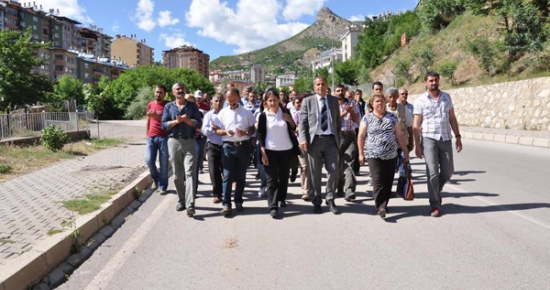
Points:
(191, 212)
(273, 212)
(317, 209)
(282, 203)
(350, 198)
(180, 206)
(239, 207)
(332, 207)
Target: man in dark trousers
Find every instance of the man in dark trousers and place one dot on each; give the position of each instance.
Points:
(320, 125)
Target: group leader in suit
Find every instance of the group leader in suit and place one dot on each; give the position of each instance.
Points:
(319, 127)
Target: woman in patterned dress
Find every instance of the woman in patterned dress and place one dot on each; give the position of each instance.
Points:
(381, 129)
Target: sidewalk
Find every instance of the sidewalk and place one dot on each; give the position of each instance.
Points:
(522, 137)
(31, 205)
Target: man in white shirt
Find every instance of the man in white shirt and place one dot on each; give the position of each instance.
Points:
(235, 124)
(434, 117)
(214, 148)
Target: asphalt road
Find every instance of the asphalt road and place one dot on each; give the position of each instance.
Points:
(494, 234)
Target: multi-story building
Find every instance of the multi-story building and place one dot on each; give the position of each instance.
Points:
(2, 9)
(187, 57)
(349, 40)
(93, 41)
(62, 62)
(257, 74)
(325, 58)
(132, 51)
(69, 32)
(286, 80)
(11, 15)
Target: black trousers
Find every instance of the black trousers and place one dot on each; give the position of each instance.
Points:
(277, 173)
(382, 172)
(215, 168)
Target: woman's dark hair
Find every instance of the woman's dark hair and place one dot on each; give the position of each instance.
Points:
(268, 94)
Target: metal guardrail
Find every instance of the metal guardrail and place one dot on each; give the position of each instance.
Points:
(22, 124)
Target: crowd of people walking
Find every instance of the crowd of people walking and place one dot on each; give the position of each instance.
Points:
(279, 134)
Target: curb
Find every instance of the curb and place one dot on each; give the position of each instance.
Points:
(31, 267)
(511, 139)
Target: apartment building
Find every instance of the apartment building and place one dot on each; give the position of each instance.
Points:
(134, 52)
(187, 57)
(286, 80)
(325, 58)
(349, 40)
(257, 74)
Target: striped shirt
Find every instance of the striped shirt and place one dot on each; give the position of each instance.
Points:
(435, 115)
(381, 142)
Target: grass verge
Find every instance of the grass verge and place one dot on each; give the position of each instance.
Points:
(90, 203)
(16, 160)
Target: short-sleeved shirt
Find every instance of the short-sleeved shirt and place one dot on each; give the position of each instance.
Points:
(435, 115)
(228, 119)
(347, 122)
(155, 128)
(381, 142)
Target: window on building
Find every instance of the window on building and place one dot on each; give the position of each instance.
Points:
(34, 18)
(86, 65)
(58, 68)
(58, 57)
(86, 75)
(34, 27)
(11, 21)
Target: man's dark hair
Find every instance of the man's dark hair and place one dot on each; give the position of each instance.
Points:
(341, 86)
(377, 83)
(233, 90)
(359, 91)
(218, 95)
(161, 87)
(431, 74)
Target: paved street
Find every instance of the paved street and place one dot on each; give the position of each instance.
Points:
(493, 235)
(31, 205)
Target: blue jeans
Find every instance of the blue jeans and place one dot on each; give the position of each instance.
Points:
(158, 144)
(400, 163)
(235, 161)
(261, 168)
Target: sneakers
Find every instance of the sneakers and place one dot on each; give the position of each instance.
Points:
(435, 212)
(155, 185)
(261, 193)
(226, 211)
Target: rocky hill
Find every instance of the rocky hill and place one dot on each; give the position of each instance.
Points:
(295, 53)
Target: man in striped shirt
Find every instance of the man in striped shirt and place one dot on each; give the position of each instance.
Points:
(434, 118)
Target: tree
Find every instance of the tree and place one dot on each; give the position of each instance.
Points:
(346, 72)
(18, 56)
(447, 70)
(426, 57)
(138, 108)
(124, 90)
(524, 23)
(436, 14)
(67, 88)
(304, 83)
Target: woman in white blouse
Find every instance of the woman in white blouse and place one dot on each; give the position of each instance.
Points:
(275, 136)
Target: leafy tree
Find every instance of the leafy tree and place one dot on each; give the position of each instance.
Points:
(402, 68)
(260, 88)
(304, 83)
(346, 72)
(482, 49)
(447, 70)
(67, 88)
(138, 108)
(426, 57)
(123, 90)
(523, 24)
(436, 14)
(18, 55)
(370, 44)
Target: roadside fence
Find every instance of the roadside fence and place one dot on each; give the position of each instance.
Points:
(21, 124)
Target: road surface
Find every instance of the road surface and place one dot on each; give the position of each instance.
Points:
(494, 234)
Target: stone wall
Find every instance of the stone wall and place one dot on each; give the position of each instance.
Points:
(512, 105)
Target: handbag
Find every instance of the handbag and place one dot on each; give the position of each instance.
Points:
(405, 186)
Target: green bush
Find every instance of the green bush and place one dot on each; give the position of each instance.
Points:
(447, 70)
(5, 168)
(138, 108)
(54, 138)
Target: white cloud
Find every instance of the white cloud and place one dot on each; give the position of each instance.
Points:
(297, 8)
(67, 8)
(250, 26)
(144, 15)
(115, 27)
(165, 19)
(175, 39)
(359, 17)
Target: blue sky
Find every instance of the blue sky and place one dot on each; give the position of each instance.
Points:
(216, 27)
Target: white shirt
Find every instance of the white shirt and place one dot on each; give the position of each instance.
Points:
(290, 107)
(276, 137)
(329, 127)
(435, 115)
(228, 119)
